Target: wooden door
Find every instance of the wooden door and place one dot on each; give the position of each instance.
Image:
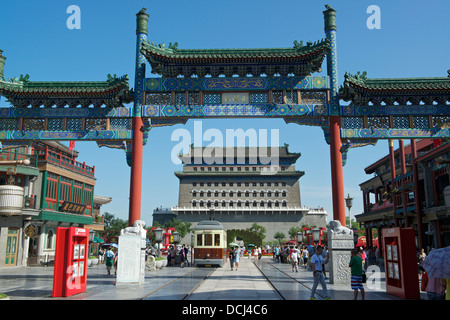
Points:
(11, 247)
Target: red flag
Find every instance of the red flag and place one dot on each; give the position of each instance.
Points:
(71, 145)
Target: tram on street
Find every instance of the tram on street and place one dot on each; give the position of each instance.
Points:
(210, 244)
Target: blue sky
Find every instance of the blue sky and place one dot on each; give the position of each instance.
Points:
(413, 42)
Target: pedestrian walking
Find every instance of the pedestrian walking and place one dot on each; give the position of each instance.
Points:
(377, 256)
(372, 257)
(116, 261)
(305, 256)
(356, 265)
(363, 257)
(100, 256)
(236, 258)
(255, 253)
(259, 253)
(182, 256)
(316, 263)
(231, 257)
(421, 258)
(186, 252)
(109, 256)
(173, 254)
(294, 259)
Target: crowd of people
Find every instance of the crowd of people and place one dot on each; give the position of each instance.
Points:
(177, 255)
(109, 257)
(298, 256)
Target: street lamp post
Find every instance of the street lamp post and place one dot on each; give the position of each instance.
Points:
(316, 235)
(176, 240)
(176, 237)
(349, 204)
(299, 237)
(158, 239)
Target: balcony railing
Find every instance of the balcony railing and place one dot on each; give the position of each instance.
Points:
(45, 154)
(65, 161)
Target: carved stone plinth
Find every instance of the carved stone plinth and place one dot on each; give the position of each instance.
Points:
(339, 251)
(131, 260)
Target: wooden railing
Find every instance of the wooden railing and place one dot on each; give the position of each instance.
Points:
(66, 162)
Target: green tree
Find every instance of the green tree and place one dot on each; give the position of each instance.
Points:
(112, 228)
(114, 224)
(279, 236)
(293, 232)
(183, 228)
(260, 230)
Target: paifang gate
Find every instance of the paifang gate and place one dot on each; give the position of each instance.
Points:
(227, 84)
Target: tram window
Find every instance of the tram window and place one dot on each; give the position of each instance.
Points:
(217, 240)
(199, 240)
(208, 240)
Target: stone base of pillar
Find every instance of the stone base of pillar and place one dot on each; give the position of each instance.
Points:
(339, 252)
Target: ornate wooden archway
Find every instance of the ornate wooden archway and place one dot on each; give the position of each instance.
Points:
(226, 84)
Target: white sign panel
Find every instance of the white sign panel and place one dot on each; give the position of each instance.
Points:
(129, 259)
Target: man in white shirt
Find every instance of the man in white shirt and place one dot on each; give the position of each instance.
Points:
(317, 262)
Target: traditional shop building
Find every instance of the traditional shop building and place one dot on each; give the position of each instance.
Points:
(409, 189)
(58, 191)
(241, 189)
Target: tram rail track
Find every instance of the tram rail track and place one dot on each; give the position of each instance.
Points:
(286, 274)
(198, 284)
(185, 277)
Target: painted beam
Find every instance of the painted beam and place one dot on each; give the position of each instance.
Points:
(236, 84)
(77, 135)
(236, 110)
(434, 133)
(395, 110)
(35, 113)
(208, 110)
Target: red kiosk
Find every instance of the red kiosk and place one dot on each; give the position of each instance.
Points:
(401, 263)
(70, 271)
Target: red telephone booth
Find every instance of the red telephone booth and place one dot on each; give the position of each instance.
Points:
(70, 273)
(401, 263)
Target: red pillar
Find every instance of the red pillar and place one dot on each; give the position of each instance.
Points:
(136, 171)
(392, 158)
(416, 192)
(404, 199)
(337, 176)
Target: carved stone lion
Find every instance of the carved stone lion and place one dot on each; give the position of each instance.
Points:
(136, 229)
(337, 228)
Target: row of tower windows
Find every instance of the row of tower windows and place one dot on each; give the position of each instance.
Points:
(239, 168)
(231, 204)
(239, 184)
(239, 194)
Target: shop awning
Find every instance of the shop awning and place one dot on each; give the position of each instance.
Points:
(99, 240)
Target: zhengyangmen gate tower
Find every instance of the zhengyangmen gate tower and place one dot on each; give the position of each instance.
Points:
(227, 84)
